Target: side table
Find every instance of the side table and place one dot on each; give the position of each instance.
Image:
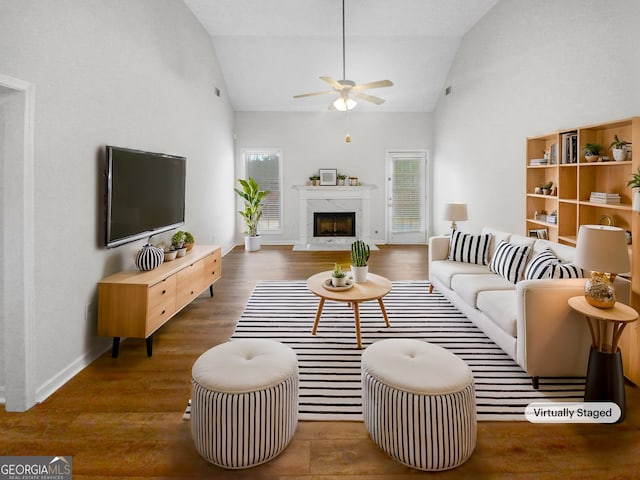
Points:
(605, 378)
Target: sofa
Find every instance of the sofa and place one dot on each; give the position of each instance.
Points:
(518, 298)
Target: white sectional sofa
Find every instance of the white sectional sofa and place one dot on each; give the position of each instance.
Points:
(529, 319)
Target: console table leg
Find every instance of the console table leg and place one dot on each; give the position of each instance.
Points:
(211, 289)
(115, 349)
(149, 341)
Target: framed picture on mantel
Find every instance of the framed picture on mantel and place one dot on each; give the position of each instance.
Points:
(328, 176)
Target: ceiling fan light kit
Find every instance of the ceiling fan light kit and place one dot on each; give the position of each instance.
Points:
(344, 87)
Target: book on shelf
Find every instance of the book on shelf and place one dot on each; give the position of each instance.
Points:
(606, 198)
(538, 161)
(570, 147)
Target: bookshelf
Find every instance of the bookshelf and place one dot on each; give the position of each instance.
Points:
(587, 193)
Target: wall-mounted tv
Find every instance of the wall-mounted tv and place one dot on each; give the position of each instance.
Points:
(145, 194)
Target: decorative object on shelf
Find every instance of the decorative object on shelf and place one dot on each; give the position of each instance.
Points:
(353, 181)
(188, 241)
(537, 190)
(315, 180)
(341, 179)
(149, 257)
(177, 243)
(328, 176)
(455, 212)
(338, 276)
(547, 188)
(253, 197)
(602, 250)
(618, 149)
(553, 217)
(360, 252)
(170, 254)
(634, 183)
(591, 152)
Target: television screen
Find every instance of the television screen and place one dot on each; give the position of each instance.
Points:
(145, 194)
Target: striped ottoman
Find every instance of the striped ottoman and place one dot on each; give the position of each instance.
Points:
(419, 403)
(244, 404)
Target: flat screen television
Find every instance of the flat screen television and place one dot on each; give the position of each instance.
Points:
(145, 194)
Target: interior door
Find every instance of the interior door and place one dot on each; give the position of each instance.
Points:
(406, 197)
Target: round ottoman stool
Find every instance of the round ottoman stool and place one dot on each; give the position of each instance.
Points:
(244, 403)
(419, 403)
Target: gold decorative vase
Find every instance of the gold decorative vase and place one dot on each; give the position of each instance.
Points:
(599, 291)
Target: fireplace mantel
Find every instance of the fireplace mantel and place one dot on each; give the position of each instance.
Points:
(333, 198)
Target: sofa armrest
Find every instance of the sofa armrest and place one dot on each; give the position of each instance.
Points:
(439, 248)
(552, 339)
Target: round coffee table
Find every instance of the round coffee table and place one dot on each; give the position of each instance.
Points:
(374, 288)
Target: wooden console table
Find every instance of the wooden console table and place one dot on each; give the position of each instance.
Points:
(136, 304)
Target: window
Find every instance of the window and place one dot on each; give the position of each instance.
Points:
(264, 165)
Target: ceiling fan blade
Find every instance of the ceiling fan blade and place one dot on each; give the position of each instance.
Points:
(378, 84)
(369, 98)
(313, 94)
(332, 82)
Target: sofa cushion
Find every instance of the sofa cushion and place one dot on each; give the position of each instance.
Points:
(468, 286)
(497, 236)
(563, 252)
(445, 270)
(566, 270)
(468, 248)
(510, 261)
(540, 266)
(500, 307)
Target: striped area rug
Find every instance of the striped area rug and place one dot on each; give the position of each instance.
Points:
(330, 361)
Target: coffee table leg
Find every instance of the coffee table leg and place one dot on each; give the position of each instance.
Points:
(356, 314)
(384, 312)
(318, 315)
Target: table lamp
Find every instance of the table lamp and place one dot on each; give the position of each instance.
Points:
(455, 212)
(602, 250)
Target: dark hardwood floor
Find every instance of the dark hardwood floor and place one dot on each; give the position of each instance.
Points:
(122, 418)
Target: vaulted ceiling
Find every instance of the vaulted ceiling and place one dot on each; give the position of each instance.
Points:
(271, 50)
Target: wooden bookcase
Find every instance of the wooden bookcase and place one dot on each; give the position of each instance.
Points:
(135, 304)
(575, 181)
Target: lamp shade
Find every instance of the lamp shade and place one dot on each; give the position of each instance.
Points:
(455, 211)
(601, 248)
(343, 104)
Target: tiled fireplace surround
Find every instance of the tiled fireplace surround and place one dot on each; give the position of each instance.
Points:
(332, 199)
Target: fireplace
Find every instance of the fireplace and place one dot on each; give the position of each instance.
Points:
(334, 224)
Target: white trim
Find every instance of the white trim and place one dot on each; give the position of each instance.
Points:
(19, 326)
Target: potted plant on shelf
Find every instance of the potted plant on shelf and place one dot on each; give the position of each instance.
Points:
(634, 183)
(338, 276)
(359, 257)
(189, 241)
(341, 178)
(177, 243)
(591, 151)
(619, 149)
(253, 197)
(315, 180)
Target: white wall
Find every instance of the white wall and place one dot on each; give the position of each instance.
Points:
(137, 74)
(529, 67)
(310, 141)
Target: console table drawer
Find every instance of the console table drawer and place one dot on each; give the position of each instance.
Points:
(189, 283)
(161, 303)
(212, 268)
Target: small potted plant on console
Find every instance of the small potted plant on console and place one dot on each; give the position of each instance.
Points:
(359, 257)
(177, 243)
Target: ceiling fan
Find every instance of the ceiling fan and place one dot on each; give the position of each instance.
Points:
(348, 88)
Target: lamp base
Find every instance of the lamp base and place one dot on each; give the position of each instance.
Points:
(599, 291)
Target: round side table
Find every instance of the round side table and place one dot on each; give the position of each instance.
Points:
(605, 377)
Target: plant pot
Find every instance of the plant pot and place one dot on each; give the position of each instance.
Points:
(591, 158)
(188, 246)
(359, 273)
(619, 154)
(636, 200)
(252, 243)
(339, 282)
(181, 252)
(168, 256)
(546, 191)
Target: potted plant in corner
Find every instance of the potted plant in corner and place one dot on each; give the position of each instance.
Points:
(634, 183)
(252, 196)
(618, 149)
(359, 257)
(591, 151)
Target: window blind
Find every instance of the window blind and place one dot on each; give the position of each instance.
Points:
(264, 167)
(407, 203)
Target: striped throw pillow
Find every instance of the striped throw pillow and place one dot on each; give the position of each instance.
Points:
(468, 248)
(540, 266)
(566, 270)
(510, 261)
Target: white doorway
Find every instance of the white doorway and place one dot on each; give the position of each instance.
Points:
(406, 195)
(17, 272)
